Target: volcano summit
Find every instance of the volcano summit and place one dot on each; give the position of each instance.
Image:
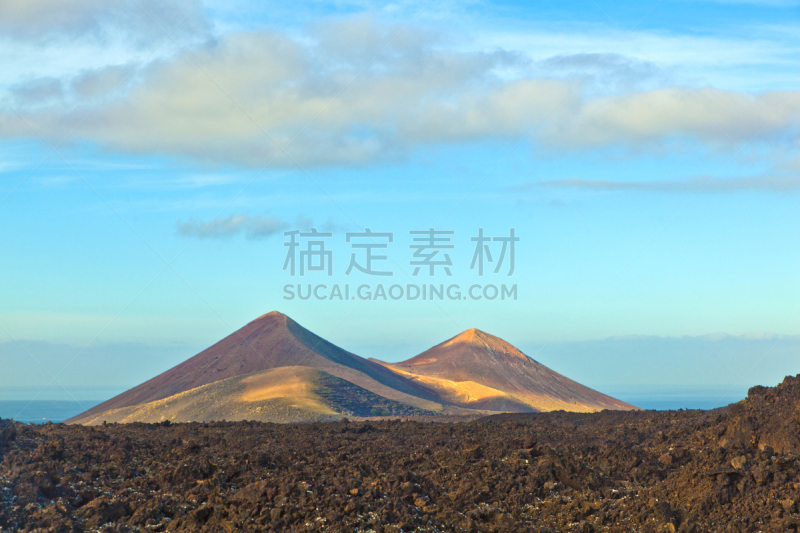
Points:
(480, 371)
(275, 370)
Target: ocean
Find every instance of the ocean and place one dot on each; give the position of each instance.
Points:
(42, 411)
(681, 398)
(661, 403)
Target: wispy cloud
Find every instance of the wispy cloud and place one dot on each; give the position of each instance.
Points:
(9, 166)
(39, 91)
(232, 226)
(252, 227)
(41, 20)
(769, 3)
(705, 184)
(605, 72)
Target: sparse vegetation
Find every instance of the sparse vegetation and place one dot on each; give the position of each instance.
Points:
(349, 399)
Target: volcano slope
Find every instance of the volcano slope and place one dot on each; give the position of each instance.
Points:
(286, 394)
(734, 469)
(265, 345)
(301, 377)
(477, 370)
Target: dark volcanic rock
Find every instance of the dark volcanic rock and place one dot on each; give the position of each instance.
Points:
(643, 471)
(768, 420)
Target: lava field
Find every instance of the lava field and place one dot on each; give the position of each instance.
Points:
(733, 469)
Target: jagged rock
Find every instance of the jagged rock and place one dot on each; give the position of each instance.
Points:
(585, 472)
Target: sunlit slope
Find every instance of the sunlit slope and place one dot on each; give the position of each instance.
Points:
(286, 394)
(480, 371)
(468, 394)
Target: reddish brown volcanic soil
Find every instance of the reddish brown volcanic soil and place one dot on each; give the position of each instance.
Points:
(271, 341)
(473, 373)
(478, 357)
(736, 469)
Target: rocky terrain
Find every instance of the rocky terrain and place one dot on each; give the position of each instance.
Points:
(735, 469)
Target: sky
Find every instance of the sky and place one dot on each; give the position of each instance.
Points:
(152, 155)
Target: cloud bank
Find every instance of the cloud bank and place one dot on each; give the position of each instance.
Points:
(354, 92)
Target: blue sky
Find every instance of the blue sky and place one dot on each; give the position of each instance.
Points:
(151, 155)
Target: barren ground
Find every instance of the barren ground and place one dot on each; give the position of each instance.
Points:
(647, 471)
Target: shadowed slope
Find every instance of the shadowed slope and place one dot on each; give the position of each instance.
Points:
(481, 371)
(271, 341)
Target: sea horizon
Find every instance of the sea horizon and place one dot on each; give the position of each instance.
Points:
(40, 411)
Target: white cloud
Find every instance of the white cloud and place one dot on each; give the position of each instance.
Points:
(245, 98)
(708, 115)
